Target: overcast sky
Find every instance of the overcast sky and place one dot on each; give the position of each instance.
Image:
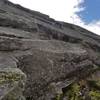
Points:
(84, 13)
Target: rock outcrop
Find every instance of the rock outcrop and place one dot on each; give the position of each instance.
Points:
(45, 59)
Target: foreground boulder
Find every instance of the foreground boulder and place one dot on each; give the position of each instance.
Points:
(12, 82)
(43, 59)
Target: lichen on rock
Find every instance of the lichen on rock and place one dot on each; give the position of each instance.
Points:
(12, 81)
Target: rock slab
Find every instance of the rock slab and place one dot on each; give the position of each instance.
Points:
(41, 58)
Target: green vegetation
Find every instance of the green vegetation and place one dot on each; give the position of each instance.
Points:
(94, 94)
(59, 97)
(82, 90)
(74, 92)
(94, 84)
(95, 89)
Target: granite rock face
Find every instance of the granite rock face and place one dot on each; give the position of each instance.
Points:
(41, 58)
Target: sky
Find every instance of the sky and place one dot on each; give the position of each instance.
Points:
(84, 13)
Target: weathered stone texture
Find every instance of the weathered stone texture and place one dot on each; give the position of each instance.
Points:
(40, 57)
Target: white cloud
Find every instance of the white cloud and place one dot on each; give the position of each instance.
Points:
(63, 10)
(58, 9)
(94, 26)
